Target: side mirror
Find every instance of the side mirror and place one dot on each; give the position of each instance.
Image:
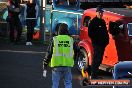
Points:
(115, 28)
(86, 21)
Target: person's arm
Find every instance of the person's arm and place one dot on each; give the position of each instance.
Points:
(92, 29)
(49, 52)
(20, 8)
(25, 11)
(37, 10)
(76, 49)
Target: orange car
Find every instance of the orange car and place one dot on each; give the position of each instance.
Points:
(119, 25)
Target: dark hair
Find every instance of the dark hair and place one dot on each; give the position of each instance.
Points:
(63, 29)
(56, 30)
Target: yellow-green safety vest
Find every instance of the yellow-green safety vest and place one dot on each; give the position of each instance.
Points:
(62, 51)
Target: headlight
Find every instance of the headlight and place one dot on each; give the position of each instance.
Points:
(129, 26)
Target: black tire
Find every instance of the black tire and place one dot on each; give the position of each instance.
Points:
(81, 60)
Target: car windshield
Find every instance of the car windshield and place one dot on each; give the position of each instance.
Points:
(66, 3)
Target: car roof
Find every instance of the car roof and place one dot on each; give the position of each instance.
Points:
(122, 11)
(124, 64)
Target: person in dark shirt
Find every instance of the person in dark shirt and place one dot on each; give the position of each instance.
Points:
(98, 33)
(31, 13)
(14, 10)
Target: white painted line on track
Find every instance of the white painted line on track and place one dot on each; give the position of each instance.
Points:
(32, 52)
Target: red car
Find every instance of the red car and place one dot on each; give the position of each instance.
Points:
(119, 25)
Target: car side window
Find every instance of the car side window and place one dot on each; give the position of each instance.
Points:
(86, 21)
(113, 28)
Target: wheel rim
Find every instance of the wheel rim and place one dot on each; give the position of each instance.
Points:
(81, 60)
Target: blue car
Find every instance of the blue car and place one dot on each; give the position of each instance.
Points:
(62, 11)
(123, 70)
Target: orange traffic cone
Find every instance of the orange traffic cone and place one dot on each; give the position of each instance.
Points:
(36, 35)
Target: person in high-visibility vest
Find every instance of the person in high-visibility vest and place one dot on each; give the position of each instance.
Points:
(60, 57)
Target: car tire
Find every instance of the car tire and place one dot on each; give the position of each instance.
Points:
(82, 59)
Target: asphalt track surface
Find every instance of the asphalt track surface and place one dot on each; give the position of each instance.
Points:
(21, 67)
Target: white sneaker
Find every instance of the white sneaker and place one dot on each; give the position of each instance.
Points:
(27, 43)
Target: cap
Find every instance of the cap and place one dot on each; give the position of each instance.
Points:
(99, 8)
